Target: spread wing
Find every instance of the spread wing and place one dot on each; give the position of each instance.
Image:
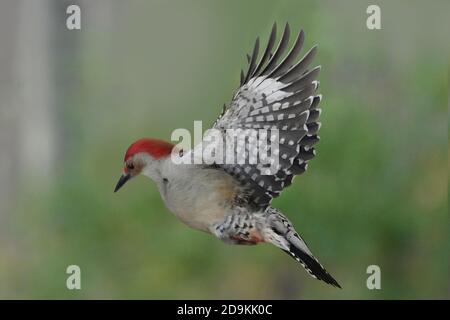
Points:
(278, 92)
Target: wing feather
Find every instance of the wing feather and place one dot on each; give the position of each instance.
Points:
(275, 96)
(268, 52)
(252, 61)
(281, 47)
(287, 62)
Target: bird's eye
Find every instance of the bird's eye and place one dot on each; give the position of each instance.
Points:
(130, 166)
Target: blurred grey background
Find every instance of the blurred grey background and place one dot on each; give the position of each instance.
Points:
(72, 101)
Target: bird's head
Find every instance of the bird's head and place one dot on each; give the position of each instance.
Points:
(144, 156)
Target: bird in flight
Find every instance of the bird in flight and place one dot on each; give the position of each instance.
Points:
(276, 100)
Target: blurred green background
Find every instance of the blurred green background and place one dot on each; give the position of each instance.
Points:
(72, 101)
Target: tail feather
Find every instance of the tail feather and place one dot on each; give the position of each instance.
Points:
(282, 234)
(314, 268)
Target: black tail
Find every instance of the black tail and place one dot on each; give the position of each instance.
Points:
(286, 238)
(314, 268)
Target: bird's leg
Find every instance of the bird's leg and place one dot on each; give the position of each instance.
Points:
(238, 228)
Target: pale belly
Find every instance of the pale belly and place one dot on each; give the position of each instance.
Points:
(201, 199)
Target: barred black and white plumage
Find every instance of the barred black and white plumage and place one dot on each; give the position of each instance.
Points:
(271, 226)
(276, 92)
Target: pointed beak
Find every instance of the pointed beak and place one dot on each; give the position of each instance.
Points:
(123, 179)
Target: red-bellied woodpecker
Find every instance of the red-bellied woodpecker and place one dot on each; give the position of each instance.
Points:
(232, 200)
